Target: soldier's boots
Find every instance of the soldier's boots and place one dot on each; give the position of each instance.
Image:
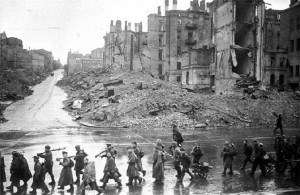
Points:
(71, 189)
(144, 173)
(46, 191)
(33, 192)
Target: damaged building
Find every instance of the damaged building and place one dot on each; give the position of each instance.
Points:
(237, 36)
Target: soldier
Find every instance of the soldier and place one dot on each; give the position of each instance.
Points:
(132, 170)
(248, 153)
(258, 159)
(186, 162)
(79, 165)
(66, 176)
(15, 172)
(89, 176)
(288, 153)
(2, 173)
(48, 163)
(227, 158)
(110, 171)
(278, 124)
(177, 137)
(38, 177)
(158, 167)
(175, 150)
(139, 155)
(24, 170)
(197, 152)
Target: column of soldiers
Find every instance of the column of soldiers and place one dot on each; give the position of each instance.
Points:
(286, 153)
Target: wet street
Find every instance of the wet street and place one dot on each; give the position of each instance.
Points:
(39, 120)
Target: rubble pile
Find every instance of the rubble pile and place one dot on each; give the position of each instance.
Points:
(135, 99)
(16, 84)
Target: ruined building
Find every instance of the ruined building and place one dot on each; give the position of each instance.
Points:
(124, 48)
(237, 36)
(290, 40)
(275, 61)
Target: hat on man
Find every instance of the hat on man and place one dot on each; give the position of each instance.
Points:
(77, 146)
(47, 147)
(36, 157)
(64, 152)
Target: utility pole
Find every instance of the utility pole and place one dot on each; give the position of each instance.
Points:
(1, 56)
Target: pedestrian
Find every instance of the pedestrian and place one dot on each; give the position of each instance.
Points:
(132, 171)
(177, 137)
(278, 124)
(66, 176)
(162, 149)
(186, 163)
(158, 167)
(258, 158)
(15, 172)
(48, 163)
(2, 173)
(79, 165)
(227, 158)
(197, 153)
(89, 176)
(38, 177)
(176, 152)
(110, 171)
(140, 154)
(24, 170)
(248, 153)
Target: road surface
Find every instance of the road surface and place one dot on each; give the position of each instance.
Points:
(39, 120)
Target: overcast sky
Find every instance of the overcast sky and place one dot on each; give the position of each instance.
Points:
(79, 25)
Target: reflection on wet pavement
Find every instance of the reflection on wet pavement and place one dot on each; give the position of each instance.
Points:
(93, 141)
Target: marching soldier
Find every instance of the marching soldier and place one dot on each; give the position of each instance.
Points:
(48, 163)
(175, 150)
(132, 170)
(15, 172)
(24, 170)
(158, 165)
(110, 171)
(258, 158)
(89, 176)
(197, 152)
(2, 173)
(79, 165)
(186, 162)
(66, 176)
(38, 177)
(248, 153)
(227, 158)
(177, 137)
(278, 124)
(139, 155)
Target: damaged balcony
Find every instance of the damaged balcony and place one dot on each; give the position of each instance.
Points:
(191, 26)
(190, 42)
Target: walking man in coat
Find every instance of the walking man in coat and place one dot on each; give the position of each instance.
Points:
(177, 137)
(186, 162)
(132, 170)
(175, 150)
(248, 153)
(139, 155)
(79, 165)
(258, 159)
(24, 170)
(66, 176)
(110, 171)
(48, 163)
(197, 152)
(158, 165)
(38, 177)
(15, 172)
(89, 176)
(2, 173)
(227, 158)
(278, 125)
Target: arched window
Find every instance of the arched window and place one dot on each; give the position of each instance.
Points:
(272, 80)
(187, 78)
(178, 65)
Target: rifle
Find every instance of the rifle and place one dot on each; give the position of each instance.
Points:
(58, 159)
(103, 152)
(57, 149)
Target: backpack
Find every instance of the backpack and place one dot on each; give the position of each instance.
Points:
(71, 163)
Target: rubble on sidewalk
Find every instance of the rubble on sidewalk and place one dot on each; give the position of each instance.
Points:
(135, 99)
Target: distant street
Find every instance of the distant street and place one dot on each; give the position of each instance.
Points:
(39, 120)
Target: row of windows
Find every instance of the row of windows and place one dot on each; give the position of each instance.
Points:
(294, 26)
(292, 45)
(296, 73)
(281, 62)
(273, 80)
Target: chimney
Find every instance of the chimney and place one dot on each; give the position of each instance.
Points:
(129, 26)
(118, 25)
(125, 25)
(112, 29)
(167, 5)
(159, 11)
(202, 5)
(136, 27)
(174, 4)
(140, 27)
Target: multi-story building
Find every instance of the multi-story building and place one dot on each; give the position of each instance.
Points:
(290, 40)
(73, 65)
(238, 36)
(274, 69)
(48, 58)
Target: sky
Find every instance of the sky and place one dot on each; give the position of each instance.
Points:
(77, 25)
